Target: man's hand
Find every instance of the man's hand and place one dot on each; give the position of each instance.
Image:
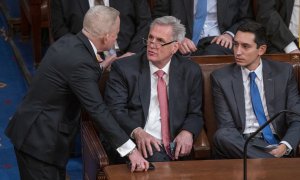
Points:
(184, 143)
(108, 60)
(187, 46)
(125, 55)
(145, 141)
(279, 151)
(224, 40)
(138, 163)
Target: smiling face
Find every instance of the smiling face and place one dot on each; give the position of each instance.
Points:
(246, 52)
(157, 54)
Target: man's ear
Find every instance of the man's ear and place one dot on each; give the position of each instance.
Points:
(175, 47)
(104, 39)
(262, 49)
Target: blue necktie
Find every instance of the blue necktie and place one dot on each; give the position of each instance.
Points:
(199, 19)
(259, 110)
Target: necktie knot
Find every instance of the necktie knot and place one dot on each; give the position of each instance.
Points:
(98, 2)
(160, 73)
(252, 76)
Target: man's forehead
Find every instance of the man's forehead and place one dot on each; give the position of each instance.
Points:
(161, 30)
(244, 37)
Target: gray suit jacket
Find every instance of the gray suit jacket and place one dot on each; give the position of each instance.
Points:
(281, 93)
(48, 118)
(127, 93)
(275, 16)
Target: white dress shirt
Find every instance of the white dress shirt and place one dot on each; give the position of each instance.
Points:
(153, 123)
(210, 27)
(251, 123)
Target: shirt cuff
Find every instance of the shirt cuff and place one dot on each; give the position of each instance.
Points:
(290, 47)
(126, 148)
(230, 33)
(288, 146)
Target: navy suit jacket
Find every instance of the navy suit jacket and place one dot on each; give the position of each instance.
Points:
(281, 92)
(275, 16)
(128, 89)
(67, 17)
(48, 118)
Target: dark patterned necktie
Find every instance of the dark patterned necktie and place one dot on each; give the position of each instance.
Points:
(98, 2)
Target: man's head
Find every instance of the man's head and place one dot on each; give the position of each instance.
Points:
(101, 25)
(163, 40)
(250, 42)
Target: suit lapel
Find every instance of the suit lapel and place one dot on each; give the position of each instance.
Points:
(269, 87)
(145, 86)
(175, 85)
(238, 91)
(189, 9)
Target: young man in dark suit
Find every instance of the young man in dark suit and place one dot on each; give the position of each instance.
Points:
(221, 19)
(48, 118)
(133, 94)
(281, 21)
(249, 92)
(67, 17)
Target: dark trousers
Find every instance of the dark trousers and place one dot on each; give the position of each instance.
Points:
(162, 156)
(229, 144)
(31, 168)
(205, 47)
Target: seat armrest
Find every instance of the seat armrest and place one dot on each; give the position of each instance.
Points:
(94, 155)
(201, 146)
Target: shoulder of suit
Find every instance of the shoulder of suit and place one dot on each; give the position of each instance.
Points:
(280, 65)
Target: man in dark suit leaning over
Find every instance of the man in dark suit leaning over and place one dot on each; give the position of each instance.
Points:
(250, 91)
(156, 96)
(47, 120)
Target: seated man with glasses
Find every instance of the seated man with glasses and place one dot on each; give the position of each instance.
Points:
(156, 95)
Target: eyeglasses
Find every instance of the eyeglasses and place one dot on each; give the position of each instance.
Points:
(147, 42)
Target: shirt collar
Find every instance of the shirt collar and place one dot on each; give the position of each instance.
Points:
(153, 68)
(94, 48)
(258, 72)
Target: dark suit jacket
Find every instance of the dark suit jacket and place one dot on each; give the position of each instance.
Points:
(67, 17)
(281, 92)
(47, 120)
(231, 13)
(127, 93)
(275, 16)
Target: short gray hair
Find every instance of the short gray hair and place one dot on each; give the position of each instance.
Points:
(177, 28)
(99, 20)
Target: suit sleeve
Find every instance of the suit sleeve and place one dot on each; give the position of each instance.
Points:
(141, 21)
(292, 135)
(244, 13)
(194, 120)
(276, 29)
(57, 23)
(117, 97)
(222, 111)
(161, 8)
(84, 83)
